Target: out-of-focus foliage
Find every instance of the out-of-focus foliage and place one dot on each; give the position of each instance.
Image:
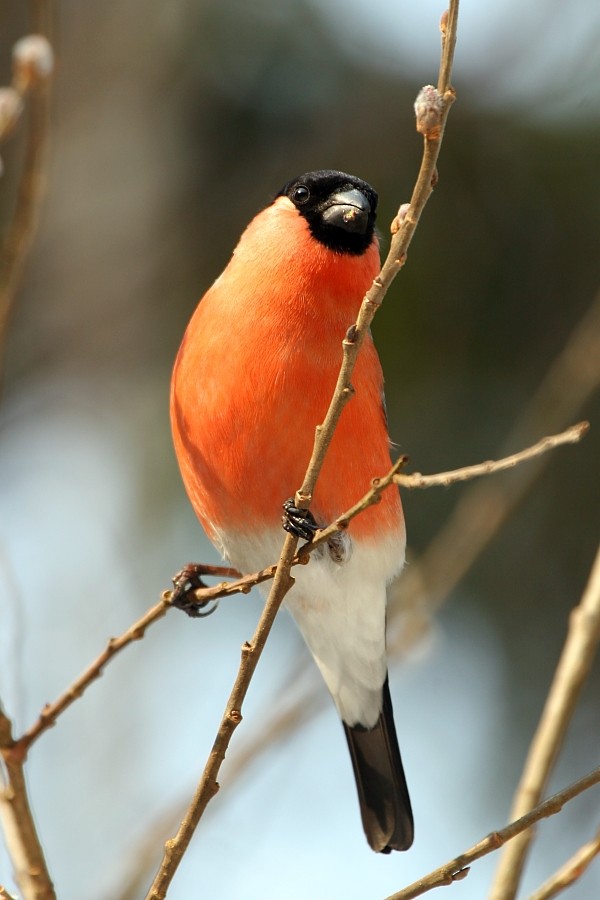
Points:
(173, 124)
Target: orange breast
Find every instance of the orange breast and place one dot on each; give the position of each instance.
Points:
(255, 375)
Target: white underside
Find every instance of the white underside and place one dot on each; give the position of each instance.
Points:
(340, 611)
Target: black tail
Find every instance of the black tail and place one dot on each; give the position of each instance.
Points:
(382, 791)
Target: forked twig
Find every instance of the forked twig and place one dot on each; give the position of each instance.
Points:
(22, 841)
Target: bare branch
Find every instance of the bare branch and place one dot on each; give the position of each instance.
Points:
(244, 584)
(458, 868)
(52, 711)
(572, 670)
(22, 841)
(4, 895)
(571, 436)
(482, 510)
(572, 870)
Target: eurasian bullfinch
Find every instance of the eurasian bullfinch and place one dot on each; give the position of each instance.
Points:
(254, 375)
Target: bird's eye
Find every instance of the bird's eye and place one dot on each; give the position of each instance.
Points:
(300, 194)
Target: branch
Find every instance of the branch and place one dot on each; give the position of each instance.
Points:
(52, 711)
(458, 868)
(572, 435)
(22, 841)
(570, 382)
(572, 670)
(207, 787)
(4, 895)
(244, 584)
(431, 107)
(572, 870)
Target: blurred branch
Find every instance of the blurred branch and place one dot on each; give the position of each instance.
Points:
(32, 67)
(4, 895)
(431, 120)
(572, 870)
(458, 868)
(482, 510)
(572, 670)
(22, 841)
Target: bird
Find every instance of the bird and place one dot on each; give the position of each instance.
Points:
(253, 377)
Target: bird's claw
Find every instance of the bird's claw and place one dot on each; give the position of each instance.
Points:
(185, 583)
(299, 522)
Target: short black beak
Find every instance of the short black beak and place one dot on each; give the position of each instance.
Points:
(349, 210)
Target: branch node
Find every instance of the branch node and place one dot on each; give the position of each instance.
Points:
(461, 874)
(429, 107)
(399, 218)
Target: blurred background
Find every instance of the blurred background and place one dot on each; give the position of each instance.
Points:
(172, 124)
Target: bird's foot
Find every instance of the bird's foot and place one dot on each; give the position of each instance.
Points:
(299, 522)
(188, 581)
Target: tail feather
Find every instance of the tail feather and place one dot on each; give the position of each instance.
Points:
(382, 792)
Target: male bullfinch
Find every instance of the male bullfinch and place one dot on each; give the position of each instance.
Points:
(253, 377)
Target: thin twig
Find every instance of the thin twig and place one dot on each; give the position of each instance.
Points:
(129, 882)
(22, 841)
(570, 872)
(135, 632)
(4, 895)
(570, 382)
(52, 711)
(458, 868)
(571, 436)
(208, 785)
(283, 581)
(415, 480)
(244, 584)
(572, 670)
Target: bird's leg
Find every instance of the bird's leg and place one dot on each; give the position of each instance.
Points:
(300, 522)
(188, 580)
